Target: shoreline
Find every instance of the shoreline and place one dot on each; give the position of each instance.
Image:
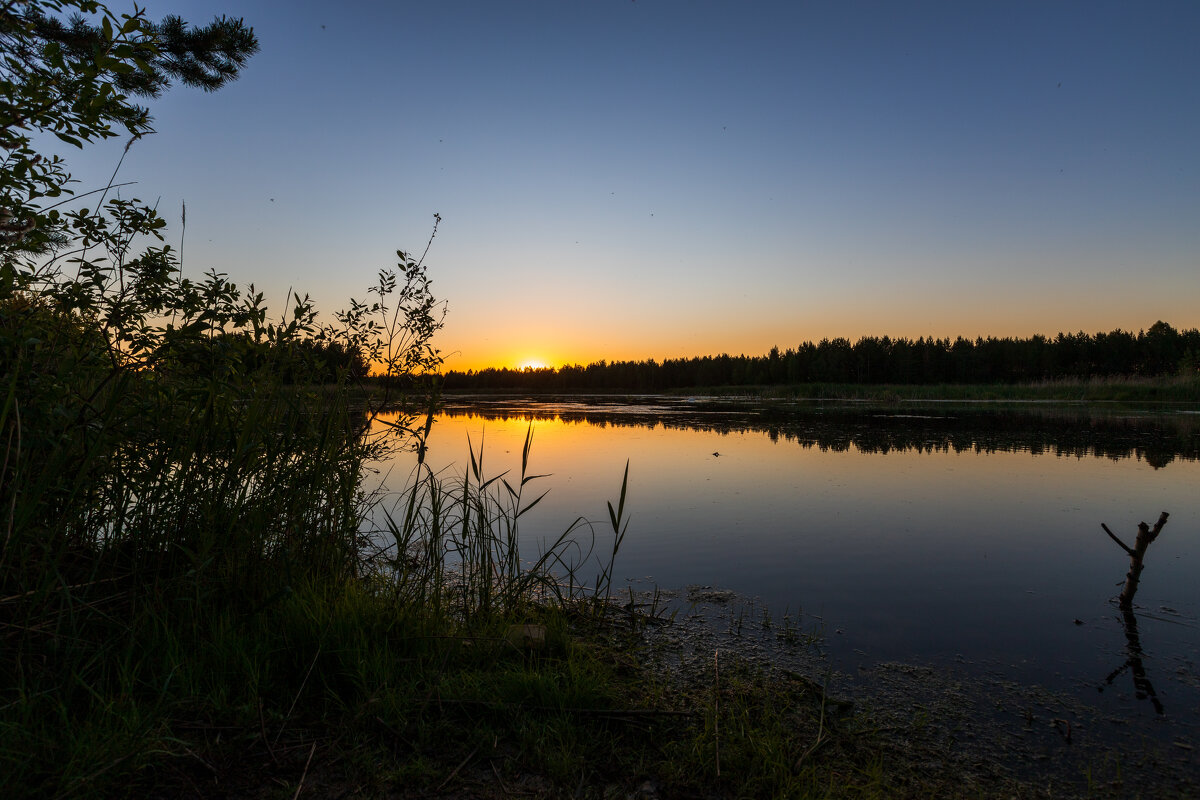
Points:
(996, 734)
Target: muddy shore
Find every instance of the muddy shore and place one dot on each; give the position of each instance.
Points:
(960, 724)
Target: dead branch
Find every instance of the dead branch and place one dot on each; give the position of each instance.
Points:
(1145, 536)
(1113, 536)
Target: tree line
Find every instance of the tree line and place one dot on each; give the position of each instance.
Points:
(1159, 351)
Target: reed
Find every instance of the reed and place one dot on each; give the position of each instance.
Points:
(186, 548)
(455, 546)
(200, 550)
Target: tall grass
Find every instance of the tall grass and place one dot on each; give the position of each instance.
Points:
(456, 546)
(182, 514)
(196, 547)
(166, 511)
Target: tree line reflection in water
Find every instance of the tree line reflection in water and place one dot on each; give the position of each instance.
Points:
(1155, 438)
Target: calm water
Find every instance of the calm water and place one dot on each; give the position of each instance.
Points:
(939, 534)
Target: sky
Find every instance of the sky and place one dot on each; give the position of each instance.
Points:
(662, 179)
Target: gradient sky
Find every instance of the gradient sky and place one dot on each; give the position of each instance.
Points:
(653, 179)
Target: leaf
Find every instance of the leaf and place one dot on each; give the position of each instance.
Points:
(531, 505)
(511, 491)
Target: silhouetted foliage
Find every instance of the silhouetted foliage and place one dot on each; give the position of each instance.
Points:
(142, 410)
(68, 70)
(1159, 351)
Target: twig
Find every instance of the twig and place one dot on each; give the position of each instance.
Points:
(499, 780)
(207, 765)
(462, 764)
(304, 774)
(69, 588)
(78, 782)
(880, 729)
(299, 692)
(266, 740)
(717, 709)
(821, 735)
(1124, 546)
(182, 234)
(100, 205)
(437, 220)
(85, 194)
(12, 509)
(600, 712)
(395, 733)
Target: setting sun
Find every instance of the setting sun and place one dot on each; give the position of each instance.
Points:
(532, 363)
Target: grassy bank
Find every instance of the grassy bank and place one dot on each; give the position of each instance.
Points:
(348, 693)
(246, 659)
(334, 692)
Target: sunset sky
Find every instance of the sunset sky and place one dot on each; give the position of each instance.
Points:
(653, 179)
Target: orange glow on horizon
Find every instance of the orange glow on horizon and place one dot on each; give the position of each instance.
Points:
(568, 346)
(458, 364)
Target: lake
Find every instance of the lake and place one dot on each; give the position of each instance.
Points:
(966, 536)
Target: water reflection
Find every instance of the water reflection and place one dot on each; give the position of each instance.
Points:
(939, 534)
(1146, 536)
(1156, 438)
(1142, 687)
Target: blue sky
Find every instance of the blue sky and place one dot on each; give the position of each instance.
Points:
(655, 179)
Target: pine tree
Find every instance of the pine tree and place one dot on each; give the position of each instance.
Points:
(71, 68)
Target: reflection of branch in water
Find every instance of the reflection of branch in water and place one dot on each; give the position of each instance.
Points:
(1133, 644)
(1142, 688)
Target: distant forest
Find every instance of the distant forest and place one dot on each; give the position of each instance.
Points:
(1159, 351)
